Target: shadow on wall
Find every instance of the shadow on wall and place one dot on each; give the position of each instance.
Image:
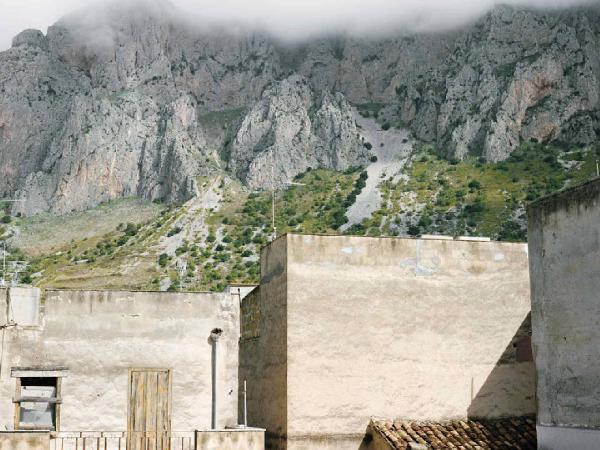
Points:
(509, 389)
(367, 442)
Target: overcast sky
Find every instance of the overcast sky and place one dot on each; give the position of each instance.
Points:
(289, 18)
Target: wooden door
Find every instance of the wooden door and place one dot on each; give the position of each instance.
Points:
(149, 416)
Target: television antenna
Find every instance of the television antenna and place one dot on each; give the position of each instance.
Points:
(287, 183)
(2, 281)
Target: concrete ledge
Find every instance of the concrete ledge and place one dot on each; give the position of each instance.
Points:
(24, 440)
(346, 441)
(231, 439)
(562, 438)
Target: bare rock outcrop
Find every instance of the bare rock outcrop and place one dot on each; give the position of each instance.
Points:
(292, 129)
(114, 101)
(118, 148)
(515, 75)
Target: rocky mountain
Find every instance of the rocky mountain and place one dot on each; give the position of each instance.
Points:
(292, 129)
(138, 101)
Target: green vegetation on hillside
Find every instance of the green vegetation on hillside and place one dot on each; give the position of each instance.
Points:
(47, 232)
(131, 244)
(111, 259)
(165, 251)
(316, 203)
(229, 254)
(472, 197)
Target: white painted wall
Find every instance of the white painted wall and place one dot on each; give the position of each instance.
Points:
(392, 328)
(100, 335)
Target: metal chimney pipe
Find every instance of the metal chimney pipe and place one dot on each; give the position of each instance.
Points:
(215, 334)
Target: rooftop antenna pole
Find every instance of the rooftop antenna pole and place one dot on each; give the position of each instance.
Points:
(2, 282)
(273, 194)
(597, 168)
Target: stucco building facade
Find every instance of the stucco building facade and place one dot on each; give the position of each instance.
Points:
(103, 362)
(343, 329)
(564, 246)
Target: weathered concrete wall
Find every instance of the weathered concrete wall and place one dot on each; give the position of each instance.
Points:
(99, 336)
(250, 315)
(24, 440)
(563, 438)
(263, 359)
(564, 244)
(420, 329)
(246, 439)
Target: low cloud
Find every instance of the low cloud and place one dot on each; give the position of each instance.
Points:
(287, 19)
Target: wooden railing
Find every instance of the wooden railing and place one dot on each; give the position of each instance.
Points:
(118, 440)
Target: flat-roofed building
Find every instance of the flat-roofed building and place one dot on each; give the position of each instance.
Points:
(345, 328)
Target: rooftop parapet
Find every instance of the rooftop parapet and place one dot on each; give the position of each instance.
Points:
(582, 195)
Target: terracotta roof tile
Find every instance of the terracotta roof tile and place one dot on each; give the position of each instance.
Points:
(497, 434)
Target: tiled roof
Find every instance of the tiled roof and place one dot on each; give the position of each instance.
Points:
(513, 433)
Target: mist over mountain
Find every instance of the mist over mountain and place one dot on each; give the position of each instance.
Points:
(287, 20)
(125, 100)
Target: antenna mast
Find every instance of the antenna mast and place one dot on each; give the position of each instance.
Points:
(273, 194)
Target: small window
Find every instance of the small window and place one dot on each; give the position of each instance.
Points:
(37, 403)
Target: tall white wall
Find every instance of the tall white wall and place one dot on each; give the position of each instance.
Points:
(404, 328)
(564, 246)
(397, 328)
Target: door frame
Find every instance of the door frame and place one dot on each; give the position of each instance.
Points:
(130, 389)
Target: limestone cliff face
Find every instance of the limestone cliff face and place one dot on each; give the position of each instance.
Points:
(515, 75)
(113, 102)
(107, 107)
(290, 130)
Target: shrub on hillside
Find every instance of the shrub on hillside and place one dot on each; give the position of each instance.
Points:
(131, 229)
(173, 231)
(474, 185)
(163, 260)
(476, 207)
(339, 219)
(414, 230)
